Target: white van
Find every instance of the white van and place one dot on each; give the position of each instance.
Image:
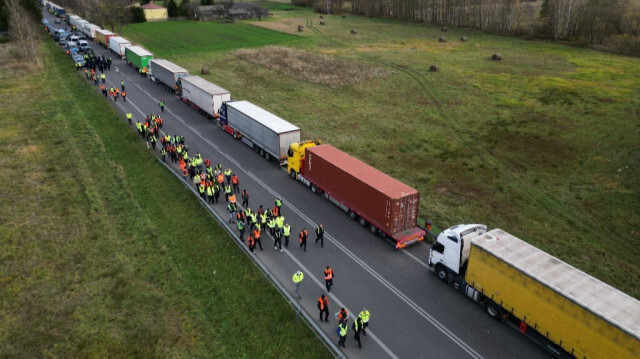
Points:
(74, 39)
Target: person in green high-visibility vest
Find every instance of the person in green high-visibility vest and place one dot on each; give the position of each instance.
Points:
(297, 280)
(161, 105)
(342, 332)
(364, 315)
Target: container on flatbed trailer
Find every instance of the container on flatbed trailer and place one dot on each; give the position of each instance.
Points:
(138, 57)
(166, 73)
(102, 37)
(117, 44)
(267, 133)
(204, 95)
(378, 200)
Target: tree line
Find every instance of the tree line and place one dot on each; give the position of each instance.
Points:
(612, 25)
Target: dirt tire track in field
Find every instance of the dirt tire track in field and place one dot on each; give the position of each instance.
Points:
(430, 90)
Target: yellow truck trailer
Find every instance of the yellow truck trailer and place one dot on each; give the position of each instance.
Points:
(568, 311)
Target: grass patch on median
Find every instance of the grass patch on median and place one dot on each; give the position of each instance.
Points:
(105, 254)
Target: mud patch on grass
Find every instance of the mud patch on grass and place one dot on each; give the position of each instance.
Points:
(310, 67)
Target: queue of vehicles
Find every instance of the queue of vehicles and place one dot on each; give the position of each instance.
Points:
(564, 309)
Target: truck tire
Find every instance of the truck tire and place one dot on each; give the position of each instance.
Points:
(373, 229)
(363, 222)
(442, 273)
(261, 152)
(353, 215)
(493, 309)
(293, 174)
(267, 156)
(314, 188)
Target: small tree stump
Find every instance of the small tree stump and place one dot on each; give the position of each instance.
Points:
(205, 71)
(353, 31)
(300, 28)
(463, 39)
(322, 23)
(322, 17)
(442, 39)
(496, 57)
(444, 29)
(433, 68)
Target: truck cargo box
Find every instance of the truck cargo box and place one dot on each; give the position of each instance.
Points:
(73, 20)
(266, 130)
(138, 56)
(389, 204)
(207, 96)
(117, 44)
(102, 37)
(166, 72)
(90, 30)
(581, 314)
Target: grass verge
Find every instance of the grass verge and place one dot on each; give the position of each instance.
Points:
(105, 254)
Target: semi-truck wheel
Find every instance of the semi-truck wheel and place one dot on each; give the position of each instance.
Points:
(314, 188)
(443, 274)
(267, 156)
(363, 222)
(373, 229)
(261, 152)
(493, 309)
(293, 174)
(353, 215)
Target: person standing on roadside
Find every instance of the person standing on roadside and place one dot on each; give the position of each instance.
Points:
(320, 235)
(342, 332)
(251, 243)
(286, 231)
(161, 105)
(357, 328)
(364, 315)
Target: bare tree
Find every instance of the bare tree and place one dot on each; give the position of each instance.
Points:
(22, 28)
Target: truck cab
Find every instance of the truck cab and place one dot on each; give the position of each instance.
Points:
(450, 252)
(295, 156)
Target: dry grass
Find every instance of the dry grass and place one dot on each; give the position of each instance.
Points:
(11, 63)
(310, 67)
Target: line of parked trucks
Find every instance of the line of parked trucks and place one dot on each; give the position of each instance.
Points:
(564, 309)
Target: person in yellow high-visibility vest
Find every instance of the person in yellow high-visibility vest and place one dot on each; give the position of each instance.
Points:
(297, 280)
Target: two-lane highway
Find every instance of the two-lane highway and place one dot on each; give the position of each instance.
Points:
(413, 314)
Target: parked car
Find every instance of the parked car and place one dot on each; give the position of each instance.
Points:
(62, 42)
(83, 45)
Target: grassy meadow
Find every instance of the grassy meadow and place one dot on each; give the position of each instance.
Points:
(95, 258)
(543, 144)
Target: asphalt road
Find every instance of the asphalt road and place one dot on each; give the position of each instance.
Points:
(413, 314)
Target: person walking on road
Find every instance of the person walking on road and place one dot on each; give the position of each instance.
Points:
(297, 280)
(235, 181)
(342, 332)
(124, 96)
(343, 315)
(286, 231)
(364, 315)
(323, 307)
(303, 238)
(357, 328)
(279, 205)
(122, 84)
(277, 241)
(328, 278)
(251, 243)
(231, 208)
(129, 117)
(103, 77)
(256, 236)
(161, 105)
(320, 235)
(240, 226)
(245, 198)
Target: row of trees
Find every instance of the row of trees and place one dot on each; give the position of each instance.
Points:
(590, 22)
(21, 18)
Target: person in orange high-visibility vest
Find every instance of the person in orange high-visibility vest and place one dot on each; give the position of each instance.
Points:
(256, 236)
(251, 243)
(303, 238)
(235, 181)
(323, 306)
(343, 315)
(328, 278)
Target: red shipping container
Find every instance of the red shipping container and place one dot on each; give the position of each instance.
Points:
(389, 204)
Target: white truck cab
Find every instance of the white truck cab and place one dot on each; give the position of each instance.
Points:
(449, 254)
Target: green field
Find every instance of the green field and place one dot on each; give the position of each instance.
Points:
(103, 252)
(543, 144)
(198, 36)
